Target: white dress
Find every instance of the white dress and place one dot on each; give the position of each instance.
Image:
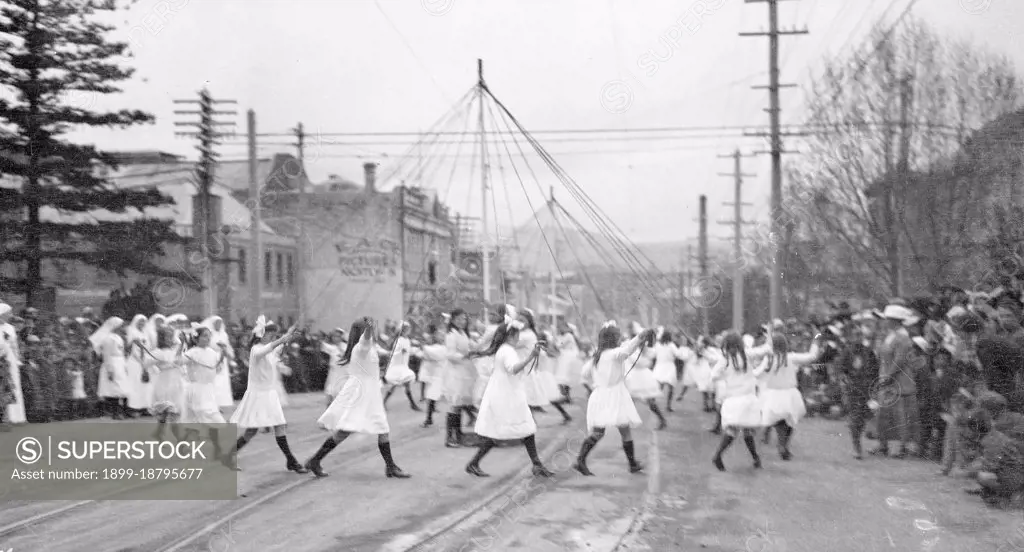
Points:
(398, 372)
(541, 387)
(610, 404)
(336, 374)
(140, 393)
(780, 398)
(200, 393)
(359, 406)
(261, 404)
(484, 365)
(282, 370)
(9, 348)
(698, 371)
(569, 362)
(504, 410)
(741, 408)
(113, 380)
(665, 356)
(168, 379)
(640, 379)
(460, 373)
(222, 381)
(432, 369)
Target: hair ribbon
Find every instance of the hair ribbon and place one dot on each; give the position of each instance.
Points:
(261, 326)
(609, 324)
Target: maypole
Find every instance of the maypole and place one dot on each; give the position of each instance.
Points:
(485, 232)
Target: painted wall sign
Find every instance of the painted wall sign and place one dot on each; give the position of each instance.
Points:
(368, 260)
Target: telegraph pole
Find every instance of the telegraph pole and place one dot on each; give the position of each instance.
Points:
(256, 222)
(776, 144)
(208, 134)
(737, 224)
(300, 265)
(705, 323)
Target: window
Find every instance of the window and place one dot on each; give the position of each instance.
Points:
(432, 272)
(267, 268)
(243, 266)
(291, 271)
(280, 270)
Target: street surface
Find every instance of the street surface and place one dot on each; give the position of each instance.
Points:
(823, 500)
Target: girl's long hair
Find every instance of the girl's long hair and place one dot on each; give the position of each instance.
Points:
(501, 335)
(666, 337)
(607, 338)
(734, 351)
(451, 321)
(780, 352)
(531, 324)
(355, 335)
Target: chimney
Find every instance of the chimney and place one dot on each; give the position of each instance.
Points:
(370, 176)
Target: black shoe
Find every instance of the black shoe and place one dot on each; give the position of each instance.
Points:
(473, 469)
(582, 468)
(314, 467)
(396, 472)
(717, 462)
(295, 466)
(540, 471)
(635, 467)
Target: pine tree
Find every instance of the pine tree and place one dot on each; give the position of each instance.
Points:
(55, 206)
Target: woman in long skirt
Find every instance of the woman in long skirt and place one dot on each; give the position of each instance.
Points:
(666, 353)
(225, 397)
(201, 364)
(505, 410)
(459, 376)
(741, 408)
(336, 373)
(435, 356)
(359, 406)
(139, 383)
(541, 388)
(610, 404)
(261, 406)
(113, 384)
(640, 379)
(164, 362)
(567, 374)
(398, 372)
(782, 405)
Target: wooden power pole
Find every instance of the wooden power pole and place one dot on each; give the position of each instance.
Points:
(209, 135)
(300, 265)
(703, 252)
(255, 224)
(776, 135)
(737, 223)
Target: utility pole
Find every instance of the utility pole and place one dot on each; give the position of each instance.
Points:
(300, 268)
(737, 224)
(776, 135)
(208, 134)
(554, 259)
(705, 323)
(255, 223)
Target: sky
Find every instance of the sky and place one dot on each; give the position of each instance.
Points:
(358, 66)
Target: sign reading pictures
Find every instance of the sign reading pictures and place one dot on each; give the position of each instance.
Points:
(366, 260)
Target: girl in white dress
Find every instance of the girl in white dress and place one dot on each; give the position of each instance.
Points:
(505, 410)
(164, 363)
(460, 375)
(782, 405)
(666, 353)
(435, 356)
(261, 406)
(200, 406)
(336, 373)
(541, 390)
(113, 379)
(398, 372)
(639, 378)
(698, 374)
(567, 374)
(546, 366)
(140, 387)
(610, 404)
(359, 406)
(741, 408)
(222, 381)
